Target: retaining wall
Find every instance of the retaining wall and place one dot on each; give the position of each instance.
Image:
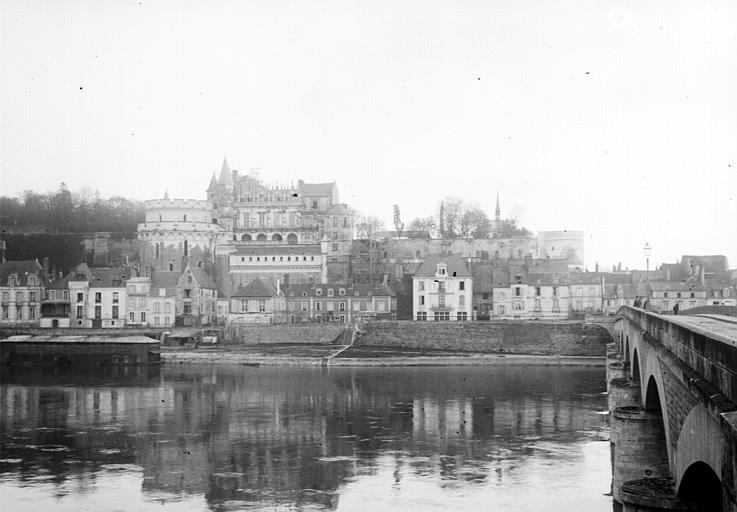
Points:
(540, 338)
(288, 333)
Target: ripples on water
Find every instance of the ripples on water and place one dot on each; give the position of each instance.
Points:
(234, 438)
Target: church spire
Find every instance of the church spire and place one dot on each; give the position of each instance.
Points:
(497, 211)
(166, 194)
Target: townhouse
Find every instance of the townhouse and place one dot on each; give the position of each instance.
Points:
(339, 302)
(258, 302)
(21, 288)
(442, 290)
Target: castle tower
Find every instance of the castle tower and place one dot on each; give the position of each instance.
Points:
(177, 232)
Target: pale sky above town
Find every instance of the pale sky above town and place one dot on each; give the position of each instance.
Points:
(618, 118)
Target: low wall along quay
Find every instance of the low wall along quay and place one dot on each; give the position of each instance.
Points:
(536, 338)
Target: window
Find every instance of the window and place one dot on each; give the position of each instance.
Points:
(115, 311)
(132, 316)
(6, 297)
(98, 312)
(187, 293)
(665, 304)
(5, 312)
(440, 270)
(421, 286)
(517, 291)
(187, 308)
(318, 292)
(167, 308)
(19, 312)
(442, 316)
(518, 305)
(156, 320)
(422, 316)
(115, 297)
(538, 304)
(422, 300)
(726, 293)
(32, 281)
(32, 297)
(80, 297)
(335, 247)
(143, 316)
(356, 305)
(330, 305)
(665, 295)
(341, 292)
(678, 295)
(166, 320)
(485, 296)
(341, 306)
(441, 286)
(537, 291)
(591, 291)
(304, 306)
(579, 292)
(462, 316)
(331, 292)
(32, 313)
(555, 291)
(80, 311)
(461, 301)
(290, 306)
(461, 285)
(98, 297)
(441, 301)
(262, 305)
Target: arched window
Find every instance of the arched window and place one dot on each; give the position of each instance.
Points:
(276, 237)
(261, 238)
(171, 267)
(291, 238)
(246, 238)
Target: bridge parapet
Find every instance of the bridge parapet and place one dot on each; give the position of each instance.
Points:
(696, 342)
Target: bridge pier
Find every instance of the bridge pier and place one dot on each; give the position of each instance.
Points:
(639, 447)
(623, 393)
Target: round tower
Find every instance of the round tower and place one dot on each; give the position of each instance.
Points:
(177, 232)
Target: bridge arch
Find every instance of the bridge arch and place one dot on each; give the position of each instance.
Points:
(635, 366)
(700, 486)
(700, 441)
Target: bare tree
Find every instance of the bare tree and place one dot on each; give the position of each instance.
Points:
(398, 224)
(367, 226)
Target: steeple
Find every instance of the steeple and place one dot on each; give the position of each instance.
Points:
(497, 211)
(226, 175)
(166, 194)
(213, 181)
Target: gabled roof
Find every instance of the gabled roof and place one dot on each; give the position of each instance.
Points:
(259, 288)
(203, 278)
(585, 278)
(455, 266)
(23, 268)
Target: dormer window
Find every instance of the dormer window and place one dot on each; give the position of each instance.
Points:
(12, 280)
(32, 281)
(318, 292)
(356, 293)
(441, 269)
(331, 292)
(341, 292)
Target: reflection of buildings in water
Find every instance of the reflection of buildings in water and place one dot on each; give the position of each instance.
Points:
(269, 435)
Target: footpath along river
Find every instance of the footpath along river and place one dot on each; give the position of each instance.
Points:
(229, 437)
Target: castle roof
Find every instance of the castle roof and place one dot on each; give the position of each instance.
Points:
(213, 181)
(226, 175)
(316, 189)
(203, 278)
(277, 250)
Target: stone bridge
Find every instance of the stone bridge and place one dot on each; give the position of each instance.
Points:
(672, 384)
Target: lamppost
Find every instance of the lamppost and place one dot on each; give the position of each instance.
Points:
(647, 250)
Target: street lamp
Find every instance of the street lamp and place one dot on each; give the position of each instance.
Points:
(647, 250)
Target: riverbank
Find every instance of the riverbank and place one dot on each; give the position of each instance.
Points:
(321, 355)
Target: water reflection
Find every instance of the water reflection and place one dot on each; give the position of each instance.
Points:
(234, 437)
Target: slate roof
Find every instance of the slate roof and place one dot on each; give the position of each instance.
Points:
(668, 286)
(456, 266)
(316, 189)
(711, 263)
(257, 288)
(363, 290)
(101, 277)
(165, 279)
(500, 278)
(203, 278)
(22, 268)
(585, 278)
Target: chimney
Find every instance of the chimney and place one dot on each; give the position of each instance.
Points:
(46, 267)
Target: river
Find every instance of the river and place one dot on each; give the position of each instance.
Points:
(255, 438)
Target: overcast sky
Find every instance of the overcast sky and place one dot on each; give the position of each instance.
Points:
(618, 118)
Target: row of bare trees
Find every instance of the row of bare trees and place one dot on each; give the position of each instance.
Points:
(454, 218)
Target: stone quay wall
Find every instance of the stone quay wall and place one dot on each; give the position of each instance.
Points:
(288, 333)
(533, 337)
